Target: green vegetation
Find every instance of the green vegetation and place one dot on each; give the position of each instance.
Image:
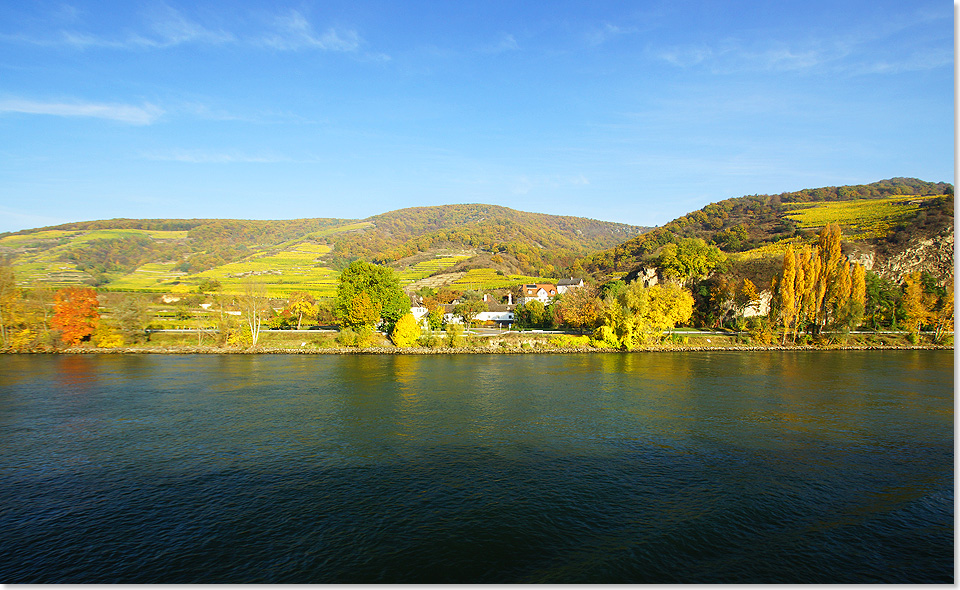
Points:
(862, 218)
(487, 279)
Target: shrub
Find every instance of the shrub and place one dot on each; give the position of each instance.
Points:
(568, 341)
(405, 332)
(454, 335)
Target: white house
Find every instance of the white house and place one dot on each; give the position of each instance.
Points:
(497, 313)
(542, 292)
(564, 285)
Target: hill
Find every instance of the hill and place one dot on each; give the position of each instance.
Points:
(892, 226)
(160, 254)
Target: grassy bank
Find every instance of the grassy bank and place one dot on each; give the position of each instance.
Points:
(502, 343)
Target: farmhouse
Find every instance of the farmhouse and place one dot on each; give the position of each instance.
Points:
(542, 292)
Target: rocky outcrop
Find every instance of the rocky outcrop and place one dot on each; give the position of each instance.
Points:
(930, 254)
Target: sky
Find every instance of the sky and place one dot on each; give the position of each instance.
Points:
(636, 112)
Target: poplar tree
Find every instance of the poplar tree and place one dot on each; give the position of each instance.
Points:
(787, 297)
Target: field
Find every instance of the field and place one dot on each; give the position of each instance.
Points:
(280, 273)
(860, 219)
(774, 250)
(426, 268)
(487, 278)
(41, 252)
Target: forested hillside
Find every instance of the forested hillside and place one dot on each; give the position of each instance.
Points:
(103, 252)
(886, 215)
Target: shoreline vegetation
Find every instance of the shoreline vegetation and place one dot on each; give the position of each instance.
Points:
(503, 343)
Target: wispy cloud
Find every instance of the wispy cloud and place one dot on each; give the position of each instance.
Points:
(857, 51)
(144, 114)
(170, 28)
(606, 32)
(506, 42)
(293, 31)
(165, 27)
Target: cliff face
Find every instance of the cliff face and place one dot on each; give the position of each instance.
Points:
(931, 254)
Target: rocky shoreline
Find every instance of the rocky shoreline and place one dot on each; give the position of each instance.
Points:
(422, 351)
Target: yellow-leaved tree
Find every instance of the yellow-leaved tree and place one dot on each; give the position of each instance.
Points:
(406, 331)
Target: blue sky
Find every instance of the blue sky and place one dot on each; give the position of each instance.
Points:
(637, 112)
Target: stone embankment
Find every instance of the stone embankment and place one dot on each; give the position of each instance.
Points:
(468, 350)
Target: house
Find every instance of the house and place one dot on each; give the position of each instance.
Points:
(542, 292)
(564, 285)
(498, 315)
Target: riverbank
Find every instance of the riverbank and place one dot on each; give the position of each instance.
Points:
(466, 350)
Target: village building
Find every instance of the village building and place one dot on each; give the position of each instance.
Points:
(542, 292)
(564, 285)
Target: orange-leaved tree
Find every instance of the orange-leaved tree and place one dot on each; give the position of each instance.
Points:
(76, 313)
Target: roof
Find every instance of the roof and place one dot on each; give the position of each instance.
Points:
(531, 290)
(569, 282)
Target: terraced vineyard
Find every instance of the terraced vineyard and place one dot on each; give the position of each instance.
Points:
(860, 219)
(425, 268)
(40, 255)
(488, 278)
(280, 273)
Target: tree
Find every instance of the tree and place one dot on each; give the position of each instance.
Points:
(531, 314)
(405, 332)
(746, 296)
(689, 258)
(881, 301)
(435, 317)
(641, 314)
(580, 308)
(131, 316)
(381, 286)
(916, 304)
(76, 313)
(301, 304)
(468, 309)
(9, 294)
(255, 306)
(786, 294)
(942, 315)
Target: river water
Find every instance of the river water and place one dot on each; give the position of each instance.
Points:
(632, 468)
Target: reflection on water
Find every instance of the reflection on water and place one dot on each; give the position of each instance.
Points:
(696, 467)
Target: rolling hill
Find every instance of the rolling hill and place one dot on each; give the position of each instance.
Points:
(306, 254)
(892, 226)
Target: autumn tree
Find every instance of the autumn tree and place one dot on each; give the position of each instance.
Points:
(580, 308)
(299, 304)
(384, 299)
(746, 296)
(531, 314)
(826, 289)
(9, 295)
(405, 332)
(786, 295)
(76, 313)
(469, 308)
(641, 314)
(688, 259)
(255, 306)
(917, 304)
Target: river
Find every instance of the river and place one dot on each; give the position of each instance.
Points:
(695, 467)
